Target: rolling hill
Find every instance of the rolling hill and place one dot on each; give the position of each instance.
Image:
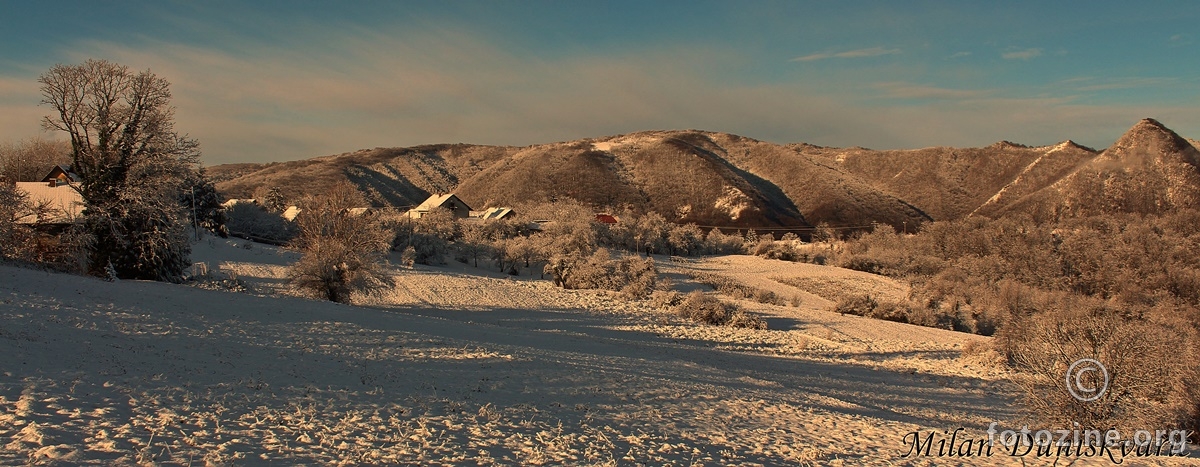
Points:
(721, 179)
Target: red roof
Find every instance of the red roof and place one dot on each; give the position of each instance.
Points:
(607, 219)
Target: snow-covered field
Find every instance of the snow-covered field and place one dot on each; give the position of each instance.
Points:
(460, 366)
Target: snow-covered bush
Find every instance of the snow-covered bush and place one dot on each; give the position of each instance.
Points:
(706, 309)
(341, 252)
(633, 276)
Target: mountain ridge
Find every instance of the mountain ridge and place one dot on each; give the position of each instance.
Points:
(727, 180)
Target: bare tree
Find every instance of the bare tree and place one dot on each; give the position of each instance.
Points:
(341, 252)
(473, 245)
(132, 165)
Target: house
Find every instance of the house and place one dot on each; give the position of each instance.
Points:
(450, 202)
(56, 193)
(60, 175)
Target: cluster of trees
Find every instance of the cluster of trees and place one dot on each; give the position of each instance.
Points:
(134, 167)
(567, 244)
(1120, 288)
(139, 179)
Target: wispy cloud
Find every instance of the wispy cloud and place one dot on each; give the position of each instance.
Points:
(1022, 54)
(901, 90)
(351, 88)
(960, 55)
(1090, 84)
(1180, 39)
(20, 115)
(858, 53)
(360, 89)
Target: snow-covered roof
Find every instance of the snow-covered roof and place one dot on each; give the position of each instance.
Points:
(496, 213)
(236, 201)
(62, 173)
(291, 212)
(438, 200)
(64, 199)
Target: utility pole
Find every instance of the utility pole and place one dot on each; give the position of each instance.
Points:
(905, 227)
(195, 222)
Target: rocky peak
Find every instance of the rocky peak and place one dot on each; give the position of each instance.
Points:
(1149, 143)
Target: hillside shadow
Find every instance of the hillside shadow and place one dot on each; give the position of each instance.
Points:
(394, 190)
(580, 342)
(772, 192)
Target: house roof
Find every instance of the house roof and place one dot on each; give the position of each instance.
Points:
(63, 170)
(236, 201)
(291, 212)
(64, 199)
(496, 213)
(604, 218)
(438, 200)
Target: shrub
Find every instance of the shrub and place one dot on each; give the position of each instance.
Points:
(633, 277)
(763, 246)
(858, 305)
(705, 309)
(1150, 366)
(341, 253)
(741, 318)
(408, 257)
(891, 311)
(665, 299)
(717, 243)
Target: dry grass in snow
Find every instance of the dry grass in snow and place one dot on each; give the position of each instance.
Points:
(456, 367)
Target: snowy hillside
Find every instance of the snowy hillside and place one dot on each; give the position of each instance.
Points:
(97, 372)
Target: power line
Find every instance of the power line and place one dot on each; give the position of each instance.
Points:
(789, 229)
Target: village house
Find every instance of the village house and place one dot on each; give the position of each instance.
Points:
(448, 201)
(60, 175)
(55, 192)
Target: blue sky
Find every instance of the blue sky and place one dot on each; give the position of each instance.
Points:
(263, 81)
